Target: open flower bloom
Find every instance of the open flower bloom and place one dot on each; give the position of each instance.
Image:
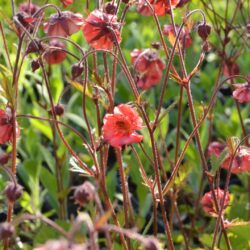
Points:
(215, 148)
(184, 38)
(241, 161)
(149, 67)
(208, 204)
(161, 7)
(55, 54)
(242, 92)
(6, 126)
(119, 128)
(66, 3)
(101, 30)
(64, 24)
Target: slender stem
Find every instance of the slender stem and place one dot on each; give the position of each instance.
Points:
(125, 191)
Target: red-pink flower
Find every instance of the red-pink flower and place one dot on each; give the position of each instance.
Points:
(101, 30)
(230, 69)
(208, 204)
(149, 67)
(120, 127)
(242, 92)
(64, 24)
(55, 53)
(184, 38)
(66, 3)
(215, 148)
(241, 161)
(6, 126)
(161, 7)
(29, 8)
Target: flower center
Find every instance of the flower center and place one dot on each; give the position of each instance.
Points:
(122, 125)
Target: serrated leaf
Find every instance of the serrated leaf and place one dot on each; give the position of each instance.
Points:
(76, 168)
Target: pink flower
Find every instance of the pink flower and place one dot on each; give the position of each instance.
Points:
(149, 67)
(231, 69)
(101, 30)
(64, 24)
(241, 161)
(185, 38)
(29, 8)
(55, 54)
(208, 204)
(6, 126)
(215, 148)
(242, 92)
(66, 3)
(58, 245)
(119, 128)
(161, 7)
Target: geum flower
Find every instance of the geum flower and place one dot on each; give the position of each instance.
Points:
(101, 30)
(242, 92)
(208, 203)
(161, 7)
(149, 67)
(184, 38)
(29, 8)
(66, 3)
(55, 54)
(120, 127)
(63, 24)
(215, 148)
(241, 161)
(6, 126)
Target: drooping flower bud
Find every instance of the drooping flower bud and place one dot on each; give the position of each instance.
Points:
(13, 191)
(34, 46)
(59, 110)
(110, 8)
(35, 65)
(76, 70)
(84, 193)
(4, 158)
(56, 53)
(204, 30)
(6, 230)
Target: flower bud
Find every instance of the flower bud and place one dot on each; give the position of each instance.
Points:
(204, 30)
(6, 230)
(110, 8)
(34, 46)
(35, 65)
(84, 193)
(4, 158)
(59, 110)
(156, 45)
(76, 70)
(13, 191)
